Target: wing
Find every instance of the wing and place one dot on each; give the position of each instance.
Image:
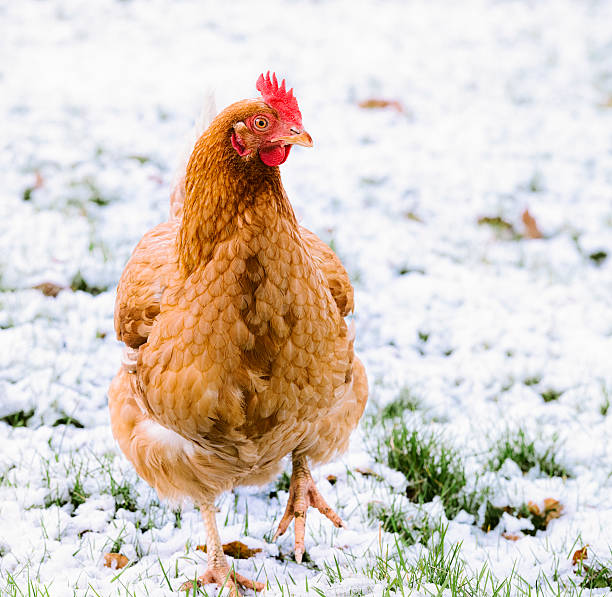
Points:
(152, 264)
(333, 270)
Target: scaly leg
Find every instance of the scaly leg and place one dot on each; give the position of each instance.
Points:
(303, 493)
(218, 570)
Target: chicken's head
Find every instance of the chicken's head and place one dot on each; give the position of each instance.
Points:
(271, 126)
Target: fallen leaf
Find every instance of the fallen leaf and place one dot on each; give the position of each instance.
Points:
(552, 509)
(579, 555)
(373, 103)
(49, 288)
(534, 508)
(235, 549)
(531, 227)
(511, 537)
(115, 560)
(367, 472)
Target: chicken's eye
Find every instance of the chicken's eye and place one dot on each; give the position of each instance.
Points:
(261, 123)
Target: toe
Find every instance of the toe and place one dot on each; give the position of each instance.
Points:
(283, 525)
(300, 532)
(247, 583)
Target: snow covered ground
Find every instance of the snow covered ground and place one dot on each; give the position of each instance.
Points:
(507, 106)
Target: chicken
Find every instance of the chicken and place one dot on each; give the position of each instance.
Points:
(237, 350)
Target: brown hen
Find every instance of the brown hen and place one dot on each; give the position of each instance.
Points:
(237, 353)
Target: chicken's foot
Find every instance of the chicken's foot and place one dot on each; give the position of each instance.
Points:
(218, 570)
(303, 493)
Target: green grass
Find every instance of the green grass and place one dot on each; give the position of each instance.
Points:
(27, 588)
(596, 576)
(439, 570)
(68, 420)
(551, 395)
(539, 518)
(406, 401)
(502, 229)
(605, 403)
(431, 468)
(517, 447)
(394, 519)
(79, 283)
(598, 257)
(19, 418)
(76, 494)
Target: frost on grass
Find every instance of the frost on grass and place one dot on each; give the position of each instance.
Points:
(482, 341)
(528, 454)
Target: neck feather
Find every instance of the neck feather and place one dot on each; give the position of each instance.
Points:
(221, 187)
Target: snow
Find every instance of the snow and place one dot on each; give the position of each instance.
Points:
(506, 107)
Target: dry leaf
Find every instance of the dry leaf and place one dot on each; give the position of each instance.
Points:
(367, 472)
(38, 181)
(235, 549)
(115, 560)
(49, 288)
(534, 508)
(531, 227)
(511, 537)
(579, 555)
(381, 103)
(552, 509)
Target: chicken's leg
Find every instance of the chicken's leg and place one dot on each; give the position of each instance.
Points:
(303, 493)
(218, 570)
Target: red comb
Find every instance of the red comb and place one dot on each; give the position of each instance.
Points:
(280, 99)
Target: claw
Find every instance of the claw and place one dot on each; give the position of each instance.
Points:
(223, 576)
(218, 570)
(303, 493)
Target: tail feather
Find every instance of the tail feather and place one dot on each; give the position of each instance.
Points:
(202, 122)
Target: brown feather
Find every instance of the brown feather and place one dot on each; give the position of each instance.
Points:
(237, 315)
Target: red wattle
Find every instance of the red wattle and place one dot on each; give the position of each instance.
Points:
(274, 155)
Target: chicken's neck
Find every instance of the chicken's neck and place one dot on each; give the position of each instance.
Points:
(223, 193)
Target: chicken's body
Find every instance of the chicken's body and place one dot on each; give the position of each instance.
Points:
(237, 316)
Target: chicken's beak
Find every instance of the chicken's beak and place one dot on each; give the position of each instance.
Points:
(298, 138)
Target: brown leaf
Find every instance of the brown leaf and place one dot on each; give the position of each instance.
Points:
(511, 537)
(531, 226)
(332, 479)
(367, 472)
(552, 509)
(235, 549)
(49, 288)
(579, 555)
(115, 560)
(39, 180)
(374, 103)
(534, 508)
